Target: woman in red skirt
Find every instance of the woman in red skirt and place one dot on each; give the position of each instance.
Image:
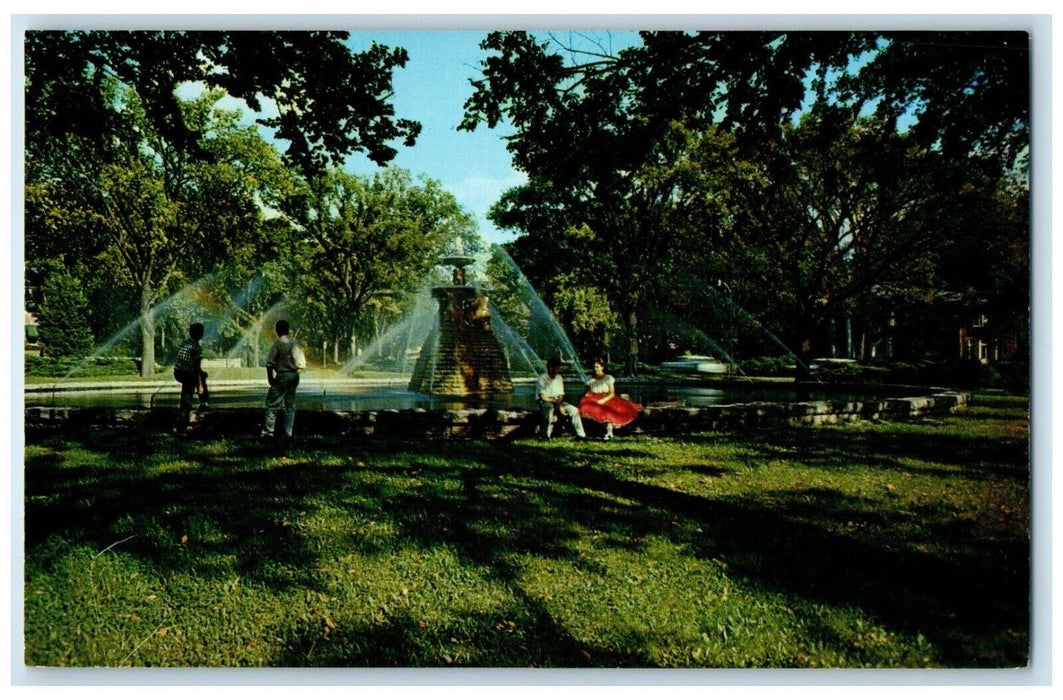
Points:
(601, 403)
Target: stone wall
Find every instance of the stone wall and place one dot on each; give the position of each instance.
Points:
(509, 424)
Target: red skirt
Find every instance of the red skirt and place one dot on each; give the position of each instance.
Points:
(617, 410)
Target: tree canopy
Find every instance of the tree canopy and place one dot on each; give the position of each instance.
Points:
(815, 177)
(329, 102)
(810, 169)
(134, 171)
(355, 238)
(153, 217)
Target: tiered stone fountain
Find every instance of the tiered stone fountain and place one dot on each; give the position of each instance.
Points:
(461, 356)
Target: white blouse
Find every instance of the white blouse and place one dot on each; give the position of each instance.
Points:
(601, 386)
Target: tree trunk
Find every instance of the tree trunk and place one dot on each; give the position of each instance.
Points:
(633, 343)
(800, 344)
(256, 342)
(147, 335)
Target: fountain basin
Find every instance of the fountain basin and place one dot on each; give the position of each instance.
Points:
(667, 412)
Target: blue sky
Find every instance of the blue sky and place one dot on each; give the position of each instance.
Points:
(432, 89)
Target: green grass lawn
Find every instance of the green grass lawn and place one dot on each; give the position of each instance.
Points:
(863, 545)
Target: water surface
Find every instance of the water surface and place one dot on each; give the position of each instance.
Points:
(395, 396)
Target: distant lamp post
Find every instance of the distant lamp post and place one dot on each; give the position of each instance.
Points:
(728, 339)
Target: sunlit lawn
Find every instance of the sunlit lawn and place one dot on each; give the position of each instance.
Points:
(865, 545)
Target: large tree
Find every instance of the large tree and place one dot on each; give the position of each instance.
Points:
(119, 165)
(324, 100)
(601, 137)
(840, 214)
(154, 217)
(356, 238)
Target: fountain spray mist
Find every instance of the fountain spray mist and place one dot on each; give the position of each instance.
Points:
(553, 339)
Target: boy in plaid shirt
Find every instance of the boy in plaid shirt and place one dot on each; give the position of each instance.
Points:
(187, 370)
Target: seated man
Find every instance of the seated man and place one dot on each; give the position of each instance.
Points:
(551, 391)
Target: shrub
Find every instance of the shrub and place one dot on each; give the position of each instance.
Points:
(768, 366)
(79, 366)
(63, 317)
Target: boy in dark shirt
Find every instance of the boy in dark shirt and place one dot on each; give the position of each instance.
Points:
(187, 371)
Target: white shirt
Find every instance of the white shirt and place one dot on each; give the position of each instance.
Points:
(551, 388)
(285, 355)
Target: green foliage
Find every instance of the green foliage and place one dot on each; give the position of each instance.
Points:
(156, 191)
(330, 102)
(157, 215)
(766, 366)
(504, 282)
(754, 157)
(357, 238)
(960, 374)
(866, 545)
(591, 319)
(52, 368)
(970, 92)
(63, 316)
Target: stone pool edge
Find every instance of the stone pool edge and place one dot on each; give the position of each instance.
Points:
(492, 423)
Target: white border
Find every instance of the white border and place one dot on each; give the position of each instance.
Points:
(478, 15)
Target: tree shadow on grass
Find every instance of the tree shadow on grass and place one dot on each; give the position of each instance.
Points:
(533, 639)
(793, 547)
(203, 515)
(971, 458)
(517, 499)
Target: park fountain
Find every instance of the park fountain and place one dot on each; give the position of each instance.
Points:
(197, 299)
(473, 370)
(185, 296)
(461, 356)
(740, 317)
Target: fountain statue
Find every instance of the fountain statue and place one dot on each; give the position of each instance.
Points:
(461, 356)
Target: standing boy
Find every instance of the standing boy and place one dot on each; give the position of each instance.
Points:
(188, 371)
(283, 364)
